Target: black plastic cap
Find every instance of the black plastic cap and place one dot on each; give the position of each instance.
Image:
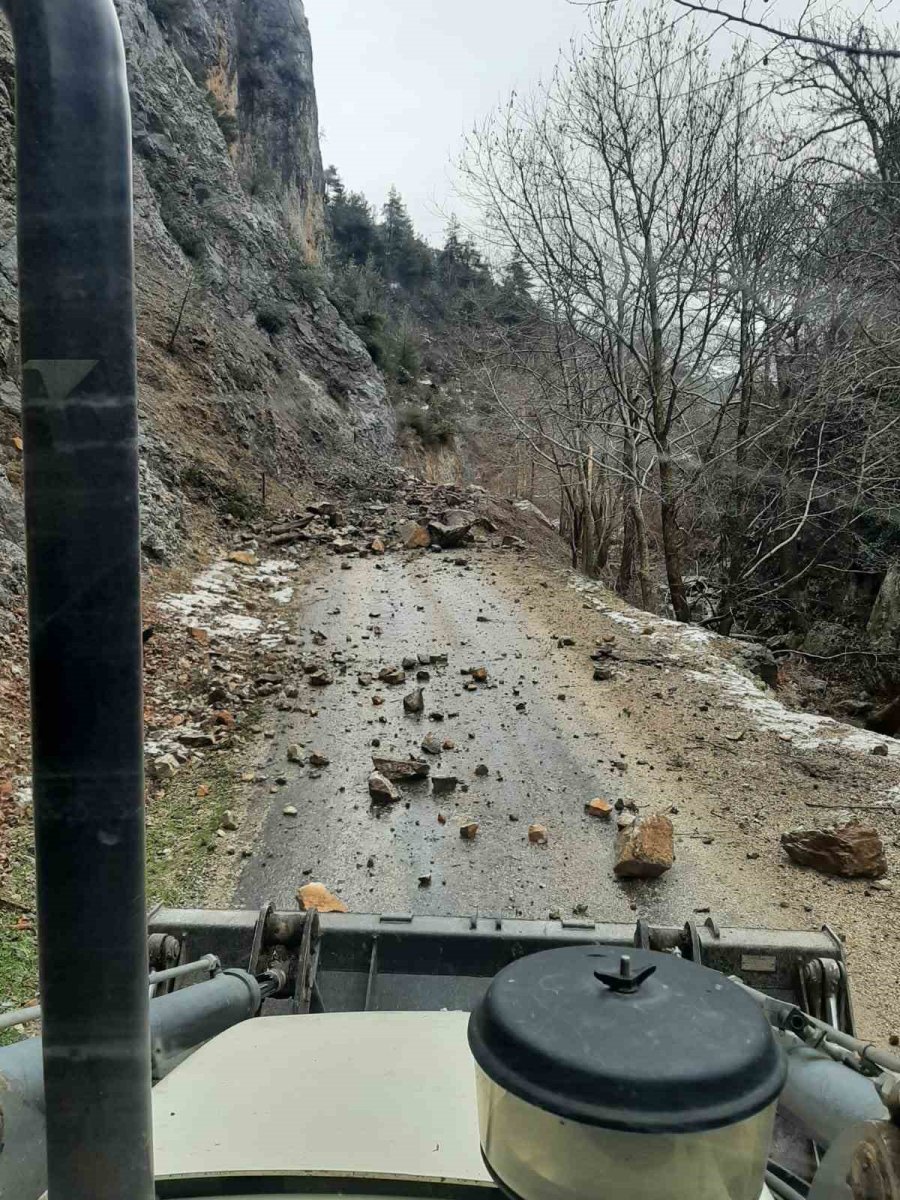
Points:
(682, 1052)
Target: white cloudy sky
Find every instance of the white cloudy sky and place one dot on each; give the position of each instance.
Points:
(399, 81)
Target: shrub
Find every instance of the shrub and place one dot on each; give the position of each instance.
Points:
(271, 316)
(169, 11)
(305, 280)
(433, 426)
(226, 120)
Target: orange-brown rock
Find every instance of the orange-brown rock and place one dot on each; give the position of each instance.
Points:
(415, 537)
(852, 850)
(317, 896)
(645, 849)
(598, 808)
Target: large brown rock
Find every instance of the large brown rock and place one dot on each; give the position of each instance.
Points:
(415, 537)
(852, 850)
(645, 849)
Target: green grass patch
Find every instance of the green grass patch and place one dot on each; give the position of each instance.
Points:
(181, 827)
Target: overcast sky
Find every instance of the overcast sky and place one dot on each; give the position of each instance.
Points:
(400, 81)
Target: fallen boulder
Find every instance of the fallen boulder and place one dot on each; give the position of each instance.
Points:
(851, 851)
(415, 536)
(645, 849)
(448, 537)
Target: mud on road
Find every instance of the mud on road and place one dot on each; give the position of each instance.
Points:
(660, 735)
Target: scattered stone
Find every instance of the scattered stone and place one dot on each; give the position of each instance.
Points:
(881, 885)
(646, 849)
(165, 767)
(431, 744)
(319, 760)
(315, 896)
(392, 675)
(414, 702)
(365, 678)
(881, 749)
(377, 546)
(603, 674)
(320, 678)
(851, 851)
(229, 821)
(444, 784)
(401, 768)
(295, 754)
(245, 558)
(425, 881)
(537, 835)
(200, 636)
(289, 810)
(343, 546)
(382, 790)
(469, 831)
(482, 770)
(598, 808)
(196, 739)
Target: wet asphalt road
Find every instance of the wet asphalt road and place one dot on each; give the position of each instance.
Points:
(543, 763)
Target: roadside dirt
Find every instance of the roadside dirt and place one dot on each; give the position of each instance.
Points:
(653, 736)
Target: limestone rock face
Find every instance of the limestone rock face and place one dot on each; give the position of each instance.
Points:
(245, 367)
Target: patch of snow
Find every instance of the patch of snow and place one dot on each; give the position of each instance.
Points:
(215, 603)
(806, 731)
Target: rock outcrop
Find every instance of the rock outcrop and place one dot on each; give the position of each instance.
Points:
(245, 367)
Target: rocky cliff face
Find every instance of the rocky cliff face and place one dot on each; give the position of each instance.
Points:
(245, 367)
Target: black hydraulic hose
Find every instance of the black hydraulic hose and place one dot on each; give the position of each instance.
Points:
(81, 497)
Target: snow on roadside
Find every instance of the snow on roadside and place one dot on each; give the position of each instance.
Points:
(806, 731)
(216, 602)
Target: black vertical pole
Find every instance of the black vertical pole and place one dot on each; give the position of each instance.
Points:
(81, 494)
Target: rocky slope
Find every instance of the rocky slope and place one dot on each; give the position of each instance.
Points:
(245, 368)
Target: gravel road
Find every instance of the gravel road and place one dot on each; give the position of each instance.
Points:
(656, 736)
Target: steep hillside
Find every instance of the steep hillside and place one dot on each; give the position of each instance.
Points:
(245, 367)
